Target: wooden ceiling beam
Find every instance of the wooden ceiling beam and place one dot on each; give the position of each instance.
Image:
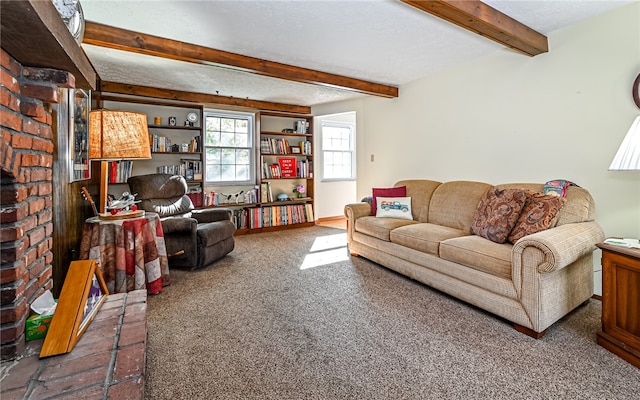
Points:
(486, 21)
(126, 40)
(200, 98)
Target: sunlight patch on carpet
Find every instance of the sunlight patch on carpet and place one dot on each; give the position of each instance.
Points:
(326, 250)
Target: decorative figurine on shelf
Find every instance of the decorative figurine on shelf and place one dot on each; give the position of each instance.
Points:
(231, 198)
(299, 191)
(282, 197)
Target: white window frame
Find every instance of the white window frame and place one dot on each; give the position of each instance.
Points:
(351, 150)
(251, 118)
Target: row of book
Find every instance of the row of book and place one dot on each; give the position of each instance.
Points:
(297, 169)
(119, 171)
(190, 169)
(163, 144)
(281, 146)
(264, 217)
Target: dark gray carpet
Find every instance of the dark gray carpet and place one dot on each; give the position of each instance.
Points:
(257, 326)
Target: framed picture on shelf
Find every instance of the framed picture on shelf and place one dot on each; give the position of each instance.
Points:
(295, 150)
(79, 107)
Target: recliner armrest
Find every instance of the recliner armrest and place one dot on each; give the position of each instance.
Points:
(211, 215)
(178, 224)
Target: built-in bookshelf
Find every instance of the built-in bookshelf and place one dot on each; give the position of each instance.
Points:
(285, 163)
(175, 141)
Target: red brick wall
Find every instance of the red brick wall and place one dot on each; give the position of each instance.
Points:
(26, 158)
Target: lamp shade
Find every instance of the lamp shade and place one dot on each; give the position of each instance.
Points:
(628, 156)
(118, 135)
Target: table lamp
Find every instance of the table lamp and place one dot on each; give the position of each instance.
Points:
(116, 135)
(628, 159)
(628, 156)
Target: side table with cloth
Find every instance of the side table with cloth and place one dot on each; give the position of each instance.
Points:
(131, 252)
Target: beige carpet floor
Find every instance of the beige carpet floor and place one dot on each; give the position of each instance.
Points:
(289, 315)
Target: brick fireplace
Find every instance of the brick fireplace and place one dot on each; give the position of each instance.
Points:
(27, 98)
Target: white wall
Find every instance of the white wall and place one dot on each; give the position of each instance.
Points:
(512, 118)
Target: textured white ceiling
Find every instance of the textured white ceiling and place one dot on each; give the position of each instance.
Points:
(382, 41)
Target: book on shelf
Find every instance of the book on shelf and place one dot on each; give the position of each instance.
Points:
(305, 147)
(119, 171)
(266, 195)
(274, 146)
(163, 144)
(301, 126)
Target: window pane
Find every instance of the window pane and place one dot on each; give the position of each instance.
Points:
(212, 156)
(242, 140)
(212, 139)
(213, 173)
(227, 139)
(337, 151)
(227, 125)
(228, 172)
(242, 126)
(242, 172)
(229, 154)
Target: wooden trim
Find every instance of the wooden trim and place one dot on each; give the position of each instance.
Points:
(331, 219)
(136, 42)
(486, 21)
(200, 98)
(34, 34)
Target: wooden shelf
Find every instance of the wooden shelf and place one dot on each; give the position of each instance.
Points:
(283, 179)
(286, 134)
(286, 154)
(177, 152)
(176, 127)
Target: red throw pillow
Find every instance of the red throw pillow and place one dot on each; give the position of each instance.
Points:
(398, 191)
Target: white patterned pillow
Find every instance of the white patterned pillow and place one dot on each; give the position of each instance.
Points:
(394, 207)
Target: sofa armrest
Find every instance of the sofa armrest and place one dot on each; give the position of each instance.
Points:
(354, 211)
(561, 245)
(211, 215)
(178, 224)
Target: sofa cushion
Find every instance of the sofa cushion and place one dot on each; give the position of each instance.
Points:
(380, 227)
(453, 204)
(398, 191)
(539, 213)
(424, 237)
(497, 213)
(394, 207)
(479, 253)
(420, 191)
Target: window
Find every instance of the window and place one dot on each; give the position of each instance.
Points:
(228, 147)
(337, 151)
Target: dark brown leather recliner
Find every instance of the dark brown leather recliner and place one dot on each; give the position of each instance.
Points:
(204, 235)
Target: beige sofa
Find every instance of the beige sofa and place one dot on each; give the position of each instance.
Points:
(532, 283)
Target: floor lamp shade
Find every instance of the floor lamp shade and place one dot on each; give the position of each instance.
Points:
(628, 156)
(118, 135)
